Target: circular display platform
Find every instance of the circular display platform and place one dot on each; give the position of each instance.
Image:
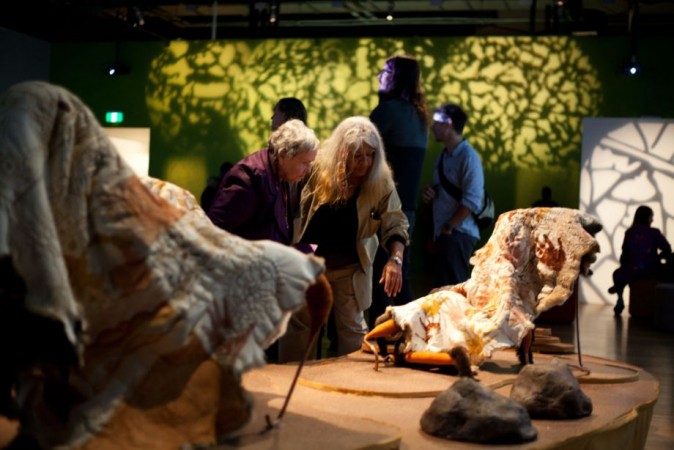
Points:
(344, 403)
(596, 371)
(356, 374)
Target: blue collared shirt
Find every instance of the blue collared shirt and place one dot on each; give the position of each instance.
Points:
(462, 166)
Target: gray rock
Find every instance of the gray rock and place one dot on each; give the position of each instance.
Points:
(468, 411)
(550, 391)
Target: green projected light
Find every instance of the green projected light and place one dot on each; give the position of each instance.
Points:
(114, 117)
(525, 96)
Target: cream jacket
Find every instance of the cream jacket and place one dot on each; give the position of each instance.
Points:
(384, 216)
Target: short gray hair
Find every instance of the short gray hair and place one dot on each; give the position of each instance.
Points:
(293, 137)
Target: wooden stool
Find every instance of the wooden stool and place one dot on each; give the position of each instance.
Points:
(663, 308)
(642, 298)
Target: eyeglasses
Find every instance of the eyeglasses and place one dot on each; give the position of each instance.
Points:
(441, 118)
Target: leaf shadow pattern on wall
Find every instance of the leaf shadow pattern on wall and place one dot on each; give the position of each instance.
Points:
(525, 97)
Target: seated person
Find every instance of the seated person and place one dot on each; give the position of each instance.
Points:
(643, 250)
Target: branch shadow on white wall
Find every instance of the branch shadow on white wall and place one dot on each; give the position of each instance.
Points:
(625, 163)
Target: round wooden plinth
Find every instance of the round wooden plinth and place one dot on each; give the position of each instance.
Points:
(344, 403)
(596, 371)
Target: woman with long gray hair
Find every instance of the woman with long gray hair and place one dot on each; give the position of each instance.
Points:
(347, 205)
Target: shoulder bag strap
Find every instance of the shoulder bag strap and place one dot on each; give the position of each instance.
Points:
(445, 183)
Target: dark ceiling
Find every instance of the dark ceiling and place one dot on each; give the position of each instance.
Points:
(137, 20)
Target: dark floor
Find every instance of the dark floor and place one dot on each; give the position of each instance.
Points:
(636, 342)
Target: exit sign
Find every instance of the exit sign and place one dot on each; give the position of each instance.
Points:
(114, 117)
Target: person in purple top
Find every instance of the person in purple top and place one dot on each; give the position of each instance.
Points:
(254, 199)
(643, 250)
(285, 109)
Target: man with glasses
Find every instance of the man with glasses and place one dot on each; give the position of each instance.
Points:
(456, 194)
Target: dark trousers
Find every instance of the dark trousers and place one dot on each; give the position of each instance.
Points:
(623, 276)
(380, 301)
(453, 251)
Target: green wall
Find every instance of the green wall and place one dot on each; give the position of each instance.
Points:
(211, 101)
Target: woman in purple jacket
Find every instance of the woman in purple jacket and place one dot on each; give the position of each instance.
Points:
(643, 249)
(255, 199)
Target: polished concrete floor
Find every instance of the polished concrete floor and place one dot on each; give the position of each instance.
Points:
(634, 341)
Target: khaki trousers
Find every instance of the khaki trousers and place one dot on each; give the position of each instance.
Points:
(349, 319)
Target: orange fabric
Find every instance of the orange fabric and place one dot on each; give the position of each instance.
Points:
(388, 328)
(430, 358)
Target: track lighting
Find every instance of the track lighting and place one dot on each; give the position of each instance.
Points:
(391, 7)
(265, 14)
(117, 67)
(137, 19)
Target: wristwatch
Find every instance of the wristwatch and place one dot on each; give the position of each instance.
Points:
(396, 259)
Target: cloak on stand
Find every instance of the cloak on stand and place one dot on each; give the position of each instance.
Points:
(132, 269)
(529, 265)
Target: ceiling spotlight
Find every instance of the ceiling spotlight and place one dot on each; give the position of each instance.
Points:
(632, 68)
(117, 67)
(138, 19)
(389, 16)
